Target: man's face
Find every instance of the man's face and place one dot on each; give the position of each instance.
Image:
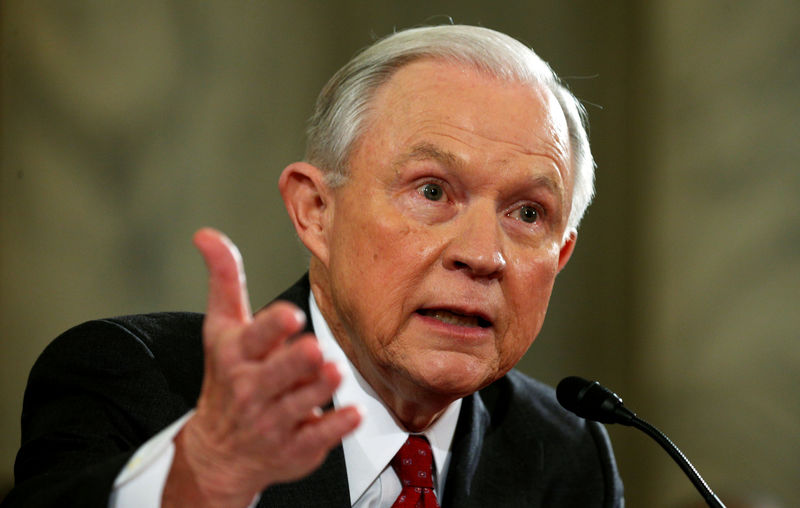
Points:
(444, 243)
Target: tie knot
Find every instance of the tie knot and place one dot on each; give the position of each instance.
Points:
(414, 463)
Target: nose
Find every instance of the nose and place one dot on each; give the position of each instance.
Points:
(476, 247)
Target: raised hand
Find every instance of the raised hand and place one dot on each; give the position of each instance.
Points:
(258, 419)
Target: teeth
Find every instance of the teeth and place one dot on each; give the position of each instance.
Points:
(453, 319)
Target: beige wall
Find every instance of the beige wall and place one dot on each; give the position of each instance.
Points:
(721, 282)
(128, 125)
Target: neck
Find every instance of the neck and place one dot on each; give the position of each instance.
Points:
(415, 417)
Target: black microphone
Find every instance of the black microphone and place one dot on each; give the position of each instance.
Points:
(593, 401)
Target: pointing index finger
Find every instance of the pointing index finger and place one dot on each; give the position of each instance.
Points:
(227, 290)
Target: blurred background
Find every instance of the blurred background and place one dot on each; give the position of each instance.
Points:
(126, 126)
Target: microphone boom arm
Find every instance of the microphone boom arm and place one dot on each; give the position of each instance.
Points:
(593, 401)
(677, 455)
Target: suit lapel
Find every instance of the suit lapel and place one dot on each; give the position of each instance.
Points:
(327, 486)
(467, 445)
(298, 294)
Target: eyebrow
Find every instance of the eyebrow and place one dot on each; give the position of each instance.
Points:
(427, 151)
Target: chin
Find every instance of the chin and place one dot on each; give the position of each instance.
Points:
(454, 375)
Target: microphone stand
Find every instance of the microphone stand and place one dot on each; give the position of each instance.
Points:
(678, 456)
(591, 400)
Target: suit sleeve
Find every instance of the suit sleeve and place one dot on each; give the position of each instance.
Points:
(94, 396)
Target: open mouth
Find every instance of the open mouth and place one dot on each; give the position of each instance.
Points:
(453, 318)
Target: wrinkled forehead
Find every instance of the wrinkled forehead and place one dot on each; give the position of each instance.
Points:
(521, 113)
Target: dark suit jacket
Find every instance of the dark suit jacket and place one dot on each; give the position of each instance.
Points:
(103, 388)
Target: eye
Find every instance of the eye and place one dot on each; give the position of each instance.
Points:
(432, 191)
(526, 213)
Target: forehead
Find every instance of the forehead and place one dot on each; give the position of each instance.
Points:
(451, 100)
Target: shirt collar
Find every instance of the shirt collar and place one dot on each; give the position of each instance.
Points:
(370, 448)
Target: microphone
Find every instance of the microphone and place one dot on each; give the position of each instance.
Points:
(593, 401)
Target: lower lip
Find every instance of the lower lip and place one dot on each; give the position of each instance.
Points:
(463, 333)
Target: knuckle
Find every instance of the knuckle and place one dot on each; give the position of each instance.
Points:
(293, 407)
(242, 394)
(316, 438)
(307, 354)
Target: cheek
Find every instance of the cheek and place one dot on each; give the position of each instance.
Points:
(377, 262)
(397, 262)
(533, 273)
(528, 296)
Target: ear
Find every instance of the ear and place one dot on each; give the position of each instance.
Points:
(567, 246)
(308, 200)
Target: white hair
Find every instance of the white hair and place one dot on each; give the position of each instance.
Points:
(339, 115)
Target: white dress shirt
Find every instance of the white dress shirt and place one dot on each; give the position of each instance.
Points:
(367, 451)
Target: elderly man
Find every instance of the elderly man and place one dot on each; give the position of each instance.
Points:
(446, 173)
